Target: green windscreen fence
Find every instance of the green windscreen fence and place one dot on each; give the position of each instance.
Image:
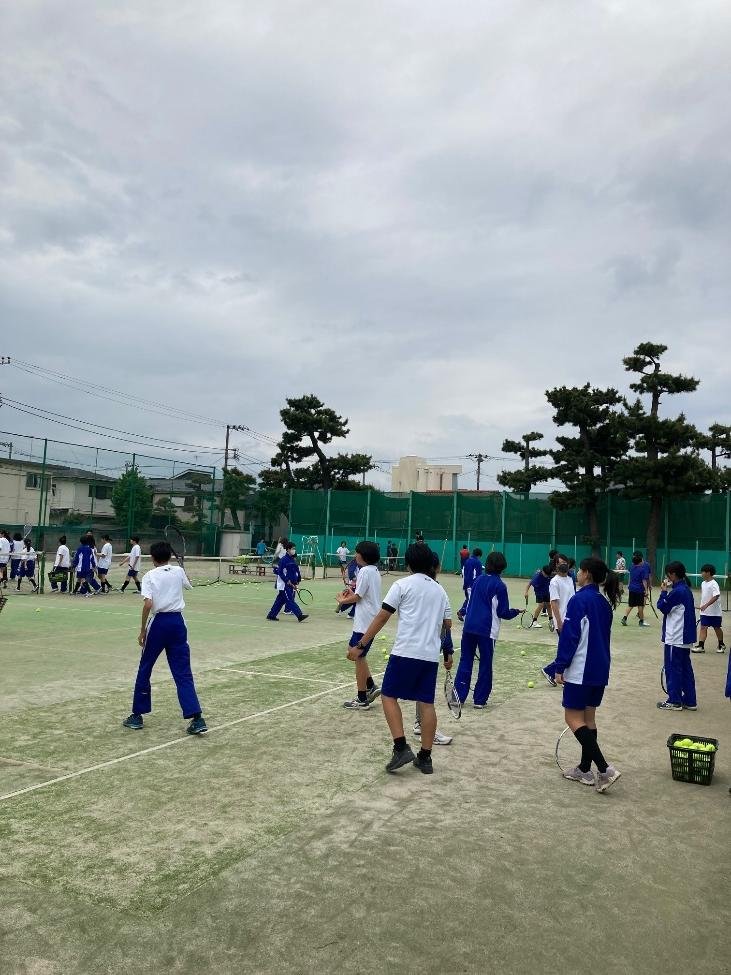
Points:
(694, 530)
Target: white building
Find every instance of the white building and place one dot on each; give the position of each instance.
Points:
(415, 474)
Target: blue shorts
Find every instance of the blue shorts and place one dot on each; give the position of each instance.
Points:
(542, 599)
(713, 621)
(102, 572)
(359, 636)
(132, 574)
(576, 697)
(29, 570)
(410, 679)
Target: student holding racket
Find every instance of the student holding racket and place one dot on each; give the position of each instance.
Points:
(582, 666)
(366, 600)
(411, 672)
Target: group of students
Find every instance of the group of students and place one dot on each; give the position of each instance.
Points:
(18, 558)
(89, 568)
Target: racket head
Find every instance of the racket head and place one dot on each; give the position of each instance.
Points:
(568, 750)
(305, 597)
(176, 540)
(526, 619)
(27, 529)
(453, 702)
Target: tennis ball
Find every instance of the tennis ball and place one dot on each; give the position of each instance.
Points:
(38, 610)
(531, 684)
(522, 653)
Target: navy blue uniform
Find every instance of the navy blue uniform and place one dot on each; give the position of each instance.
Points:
(487, 606)
(679, 633)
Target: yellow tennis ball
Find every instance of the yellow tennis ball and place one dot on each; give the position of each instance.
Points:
(38, 609)
(522, 653)
(531, 684)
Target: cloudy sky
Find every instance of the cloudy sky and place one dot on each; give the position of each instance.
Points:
(424, 213)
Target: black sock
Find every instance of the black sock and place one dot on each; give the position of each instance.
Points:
(424, 753)
(362, 696)
(399, 744)
(590, 751)
(370, 683)
(701, 643)
(124, 586)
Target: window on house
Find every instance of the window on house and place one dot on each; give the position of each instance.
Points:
(101, 492)
(32, 480)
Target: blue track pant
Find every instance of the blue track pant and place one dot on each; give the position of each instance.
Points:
(285, 597)
(166, 632)
(679, 676)
(483, 684)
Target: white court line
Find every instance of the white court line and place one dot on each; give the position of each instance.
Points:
(169, 744)
(259, 673)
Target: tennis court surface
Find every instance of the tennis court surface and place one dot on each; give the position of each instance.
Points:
(277, 843)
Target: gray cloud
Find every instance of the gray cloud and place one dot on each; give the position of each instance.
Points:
(426, 216)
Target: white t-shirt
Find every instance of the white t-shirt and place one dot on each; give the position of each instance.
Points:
(104, 560)
(29, 554)
(63, 557)
(135, 557)
(342, 553)
(422, 607)
(708, 591)
(368, 587)
(4, 550)
(562, 589)
(620, 565)
(164, 586)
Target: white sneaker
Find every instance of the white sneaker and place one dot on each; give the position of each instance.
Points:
(535, 625)
(576, 775)
(417, 729)
(605, 779)
(439, 738)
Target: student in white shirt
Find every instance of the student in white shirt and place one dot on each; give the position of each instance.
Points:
(4, 557)
(710, 610)
(366, 597)
(411, 672)
(104, 563)
(61, 566)
(133, 560)
(163, 628)
(28, 565)
(342, 553)
(560, 589)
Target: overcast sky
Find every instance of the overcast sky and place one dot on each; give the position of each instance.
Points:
(425, 213)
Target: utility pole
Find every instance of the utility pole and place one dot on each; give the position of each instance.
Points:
(479, 458)
(226, 453)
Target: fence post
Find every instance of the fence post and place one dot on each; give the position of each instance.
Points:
(553, 529)
(212, 513)
(289, 513)
(408, 523)
(728, 530)
(609, 525)
(666, 506)
(368, 514)
(454, 528)
(502, 525)
(520, 557)
(40, 500)
(130, 500)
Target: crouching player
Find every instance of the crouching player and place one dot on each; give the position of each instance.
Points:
(488, 605)
(163, 628)
(582, 666)
(411, 673)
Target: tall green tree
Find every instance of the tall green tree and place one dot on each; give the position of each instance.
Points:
(718, 442)
(237, 494)
(665, 462)
(269, 503)
(132, 499)
(522, 481)
(309, 427)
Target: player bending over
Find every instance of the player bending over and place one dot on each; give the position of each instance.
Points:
(411, 672)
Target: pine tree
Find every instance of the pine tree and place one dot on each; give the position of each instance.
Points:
(666, 461)
(237, 493)
(522, 481)
(718, 442)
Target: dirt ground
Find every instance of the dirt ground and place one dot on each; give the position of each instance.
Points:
(278, 844)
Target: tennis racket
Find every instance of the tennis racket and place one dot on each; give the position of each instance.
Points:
(551, 623)
(304, 596)
(27, 529)
(176, 541)
(453, 702)
(3, 600)
(526, 617)
(663, 681)
(568, 750)
(649, 602)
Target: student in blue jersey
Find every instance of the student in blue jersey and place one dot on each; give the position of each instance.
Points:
(561, 589)
(471, 569)
(28, 565)
(85, 568)
(16, 555)
(582, 666)
(487, 606)
(679, 633)
(288, 578)
(411, 672)
(366, 602)
(163, 628)
(540, 583)
(637, 589)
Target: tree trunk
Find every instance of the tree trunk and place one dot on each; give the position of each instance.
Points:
(653, 529)
(322, 459)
